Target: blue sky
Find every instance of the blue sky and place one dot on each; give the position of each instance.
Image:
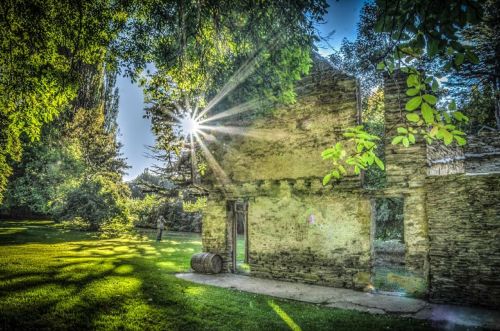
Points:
(135, 133)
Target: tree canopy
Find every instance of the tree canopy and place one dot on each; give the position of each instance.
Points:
(44, 43)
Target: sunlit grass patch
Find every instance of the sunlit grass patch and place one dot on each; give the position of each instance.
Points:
(124, 269)
(5, 231)
(195, 290)
(110, 287)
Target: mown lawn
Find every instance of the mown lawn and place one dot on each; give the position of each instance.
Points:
(57, 279)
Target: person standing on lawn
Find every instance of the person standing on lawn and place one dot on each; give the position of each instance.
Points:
(160, 225)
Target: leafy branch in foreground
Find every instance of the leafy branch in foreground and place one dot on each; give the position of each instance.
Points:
(420, 35)
(364, 145)
(424, 118)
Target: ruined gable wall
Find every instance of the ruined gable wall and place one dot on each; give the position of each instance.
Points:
(464, 231)
(287, 144)
(481, 154)
(281, 175)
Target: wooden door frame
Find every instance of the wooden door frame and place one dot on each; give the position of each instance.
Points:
(233, 229)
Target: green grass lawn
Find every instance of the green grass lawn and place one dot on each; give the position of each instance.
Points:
(56, 279)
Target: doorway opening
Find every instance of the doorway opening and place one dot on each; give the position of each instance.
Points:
(389, 270)
(239, 235)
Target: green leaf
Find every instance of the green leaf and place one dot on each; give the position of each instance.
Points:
(406, 142)
(459, 116)
(413, 117)
(411, 138)
(447, 136)
(433, 131)
(379, 163)
(391, 67)
(381, 65)
(435, 86)
(452, 105)
(327, 153)
(459, 59)
(412, 92)
(447, 118)
(342, 170)
(326, 179)
(472, 57)
(412, 80)
(396, 140)
(336, 174)
(429, 98)
(402, 130)
(413, 103)
(432, 47)
(427, 113)
(369, 158)
(460, 141)
(356, 170)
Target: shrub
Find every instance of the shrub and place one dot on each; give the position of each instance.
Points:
(146, 211)
(96, 201)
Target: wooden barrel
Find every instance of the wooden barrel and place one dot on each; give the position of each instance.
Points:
(206, 263)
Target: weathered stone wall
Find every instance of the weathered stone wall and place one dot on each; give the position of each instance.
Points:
(334, 250)
(215, 230)
(445, 160)
(482, 153)
(406, 170)
(464, 230)
(276, 165)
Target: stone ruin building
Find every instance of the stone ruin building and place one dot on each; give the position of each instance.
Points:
(296, 229)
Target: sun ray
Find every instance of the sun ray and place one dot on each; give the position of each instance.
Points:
(241, 74)
(171, 114)
(236, 79)
(195, 111)
(208, 137)
(220, 174)
(263, 134)
(244, 107)
(284, 316)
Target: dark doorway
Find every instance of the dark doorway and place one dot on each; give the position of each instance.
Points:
(239, 235)
(388, 244)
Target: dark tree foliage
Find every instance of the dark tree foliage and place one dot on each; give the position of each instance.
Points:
(148, 182)
(44, 43)
(389, 222)
(477, 85)
(79, 154)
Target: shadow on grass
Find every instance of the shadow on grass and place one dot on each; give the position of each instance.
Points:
(69, 281)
